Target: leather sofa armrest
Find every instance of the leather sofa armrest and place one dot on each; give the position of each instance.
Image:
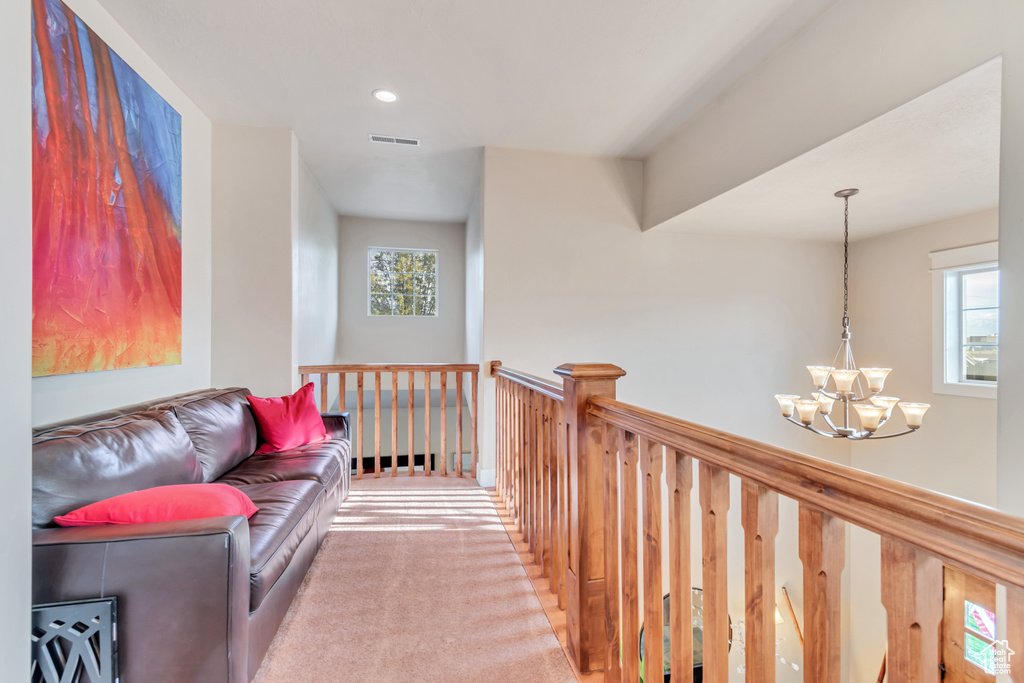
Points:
(182, 591)
(337, 425)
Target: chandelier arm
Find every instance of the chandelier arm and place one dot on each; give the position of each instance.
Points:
(889, 436)
(813, 429)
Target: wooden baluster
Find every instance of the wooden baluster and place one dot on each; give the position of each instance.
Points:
(376, 425)
(341, 392)
(1015, 628)
(394, 423)
(303, 379)
(517, 455)
(538, 478)
(679, 472)
(458, 423)
(822, 551)
(714, 503)
(529, 460)
(426, 423)
(613, 665)
(654, 611)
(323, 392)
(563, 508)
(912, 596)
(412, 423)
(551, 484)
(442, 462)
(760, 512)
(359, 425)
(630, 602)
(500, 438)
(474, 376)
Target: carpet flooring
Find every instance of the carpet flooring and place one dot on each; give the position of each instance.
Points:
(416, 581)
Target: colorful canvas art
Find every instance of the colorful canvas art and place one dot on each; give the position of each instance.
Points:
(106, 167)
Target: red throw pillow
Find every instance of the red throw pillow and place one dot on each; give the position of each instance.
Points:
(288, 421)
(163, 504)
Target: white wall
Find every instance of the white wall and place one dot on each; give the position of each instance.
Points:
(316, 276)
(955, 451)
(255, 212)
(475, 276)
(15, 342)
(381, 339)
(707, 328)
(55, 398)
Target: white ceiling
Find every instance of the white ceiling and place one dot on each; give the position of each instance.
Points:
(587, 76)
(933, 158)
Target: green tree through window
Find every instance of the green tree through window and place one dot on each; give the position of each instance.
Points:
(403, 282)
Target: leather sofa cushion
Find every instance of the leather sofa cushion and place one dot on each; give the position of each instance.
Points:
(221, 427)
(316, 461)
(78, 465)
(288, 511)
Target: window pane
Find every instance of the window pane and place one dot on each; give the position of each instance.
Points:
(402, 305)
(381, 261)
(980, 363)
(402, 283)
(380, 283)
(426, 305)
(981, 326)
(981, 290)
(426, 285)
(404, 262)
(426, 263)
(380, 304)
(980, 653)
(979, 620)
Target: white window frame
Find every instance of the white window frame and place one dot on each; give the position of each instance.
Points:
(437, 281)
(948, 267)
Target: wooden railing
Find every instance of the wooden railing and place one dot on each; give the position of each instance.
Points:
(606, 502)
(322, 376)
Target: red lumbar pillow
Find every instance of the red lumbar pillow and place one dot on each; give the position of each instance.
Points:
(163, 504)
(288, 421)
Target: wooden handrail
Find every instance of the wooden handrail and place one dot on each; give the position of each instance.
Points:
(979, 539)
(532, 382)
(389, 367)
(323, 373)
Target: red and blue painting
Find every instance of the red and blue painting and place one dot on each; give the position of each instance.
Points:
(106, 202)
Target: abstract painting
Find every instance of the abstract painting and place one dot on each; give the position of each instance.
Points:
(106, 202)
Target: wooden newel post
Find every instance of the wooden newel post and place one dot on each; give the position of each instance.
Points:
(584, 577)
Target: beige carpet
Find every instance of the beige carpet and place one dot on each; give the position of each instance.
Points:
(416, 581)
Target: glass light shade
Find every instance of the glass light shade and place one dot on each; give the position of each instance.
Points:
(914, 413)
(819, 374)
(825, 402)
(870, 415)
(844, 379)
(806, 410)
(786, 403)
(875, 377)
(888, 401)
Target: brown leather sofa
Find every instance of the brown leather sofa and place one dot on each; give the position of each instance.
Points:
(197, 600)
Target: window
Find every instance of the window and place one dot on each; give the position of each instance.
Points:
(966, 320)
(402, 282)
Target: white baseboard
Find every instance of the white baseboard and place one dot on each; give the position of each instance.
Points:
(486, 477)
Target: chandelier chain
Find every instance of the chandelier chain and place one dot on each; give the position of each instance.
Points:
(846, 262)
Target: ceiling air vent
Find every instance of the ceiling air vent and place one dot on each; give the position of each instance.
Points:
(391, 140)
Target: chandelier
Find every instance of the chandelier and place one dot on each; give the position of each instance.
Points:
(839, 385)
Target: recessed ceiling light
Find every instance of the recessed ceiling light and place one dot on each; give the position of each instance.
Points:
(385, 95)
